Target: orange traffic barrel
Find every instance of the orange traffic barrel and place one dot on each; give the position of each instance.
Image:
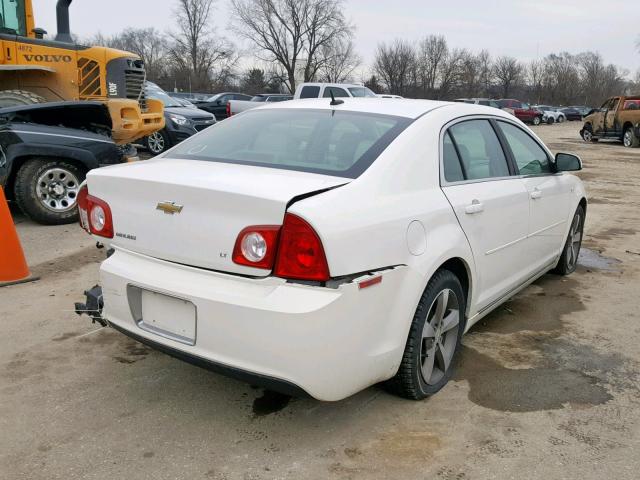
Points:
(13, 265)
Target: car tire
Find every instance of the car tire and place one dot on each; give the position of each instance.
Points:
(46, 190)
(157, 143)
(630, 139)
(537, 121)
(569, 258)
(432, 350)
(561, 119)
(551, 121)
(587, 134)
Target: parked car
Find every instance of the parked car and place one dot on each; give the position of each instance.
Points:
(217, 104)
(324, 90)
(550, 114)
(180, 122)
(618, 119)
(192, 97)
(572, 114)
(522, 111)
(479, 101)
(323, 248)
(45, 152)
(583, 109)
(237, 106)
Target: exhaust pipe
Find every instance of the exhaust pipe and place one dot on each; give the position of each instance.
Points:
(62, 16)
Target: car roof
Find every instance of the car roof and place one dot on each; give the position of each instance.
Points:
(403, 107)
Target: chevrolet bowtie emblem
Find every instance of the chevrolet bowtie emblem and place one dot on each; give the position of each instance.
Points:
(169, 208)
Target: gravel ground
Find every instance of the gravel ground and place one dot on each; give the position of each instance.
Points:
(547, 386)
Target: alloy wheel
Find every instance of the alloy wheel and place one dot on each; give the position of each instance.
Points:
(439, 336)
(575, 240)
(57, 189)
(156, 143)
(587, 135)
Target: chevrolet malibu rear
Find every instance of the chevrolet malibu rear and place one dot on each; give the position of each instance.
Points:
(290, 246)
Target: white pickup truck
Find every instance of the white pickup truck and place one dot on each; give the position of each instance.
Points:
(237, 106)
(324, 90)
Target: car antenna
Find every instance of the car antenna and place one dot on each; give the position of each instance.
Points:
(335, 102)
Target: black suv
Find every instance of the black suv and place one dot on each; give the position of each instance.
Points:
(218, 103)
(180, 122)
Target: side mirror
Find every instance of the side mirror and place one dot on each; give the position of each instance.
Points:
(567, 162)
(39, 33)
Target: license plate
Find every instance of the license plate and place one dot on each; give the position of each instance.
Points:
(169, 317)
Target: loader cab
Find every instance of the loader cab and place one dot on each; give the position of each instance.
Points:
(13, 17)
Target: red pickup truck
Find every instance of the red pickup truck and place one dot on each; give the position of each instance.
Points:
(522, 111)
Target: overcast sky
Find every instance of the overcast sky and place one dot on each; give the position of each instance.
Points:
(521, 28)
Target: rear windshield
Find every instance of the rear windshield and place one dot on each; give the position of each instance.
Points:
(339, 143)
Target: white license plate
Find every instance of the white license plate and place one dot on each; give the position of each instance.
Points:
(169, 317)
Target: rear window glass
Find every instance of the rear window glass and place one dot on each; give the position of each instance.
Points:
(338, 143)
(631, 105)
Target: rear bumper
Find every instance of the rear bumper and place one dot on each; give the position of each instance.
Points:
(329, 343)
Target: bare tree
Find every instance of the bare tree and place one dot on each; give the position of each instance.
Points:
(449, 73)
(535, 78)
(149, 44)
(393, 64)
(339, 61)
(292, 33)
(432, 52)
(196, 47)
(508, 72)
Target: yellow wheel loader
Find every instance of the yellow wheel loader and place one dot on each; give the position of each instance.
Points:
(36, 70)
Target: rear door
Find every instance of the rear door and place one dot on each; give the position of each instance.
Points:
(490, 203)
(548, 195)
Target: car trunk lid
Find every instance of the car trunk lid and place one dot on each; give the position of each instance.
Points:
(191, 212)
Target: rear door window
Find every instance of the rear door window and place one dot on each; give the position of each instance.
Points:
(310, 92)
(479, 149)
(451, 162)
(337, 92)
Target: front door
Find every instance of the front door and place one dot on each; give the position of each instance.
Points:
(611, 129)
(548, 213)
(491, 205)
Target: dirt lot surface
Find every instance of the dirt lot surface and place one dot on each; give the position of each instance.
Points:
(547, 386)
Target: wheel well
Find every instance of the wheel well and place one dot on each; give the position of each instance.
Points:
(19, 161)
(460, 269)
(583, 204)
(626, 125)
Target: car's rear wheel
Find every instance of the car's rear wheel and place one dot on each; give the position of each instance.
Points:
(569, 259)
(561, 119)
(550, 121)
(537, 120)
(157, 142)
(630, 139)
(434, 339)
(46, 190)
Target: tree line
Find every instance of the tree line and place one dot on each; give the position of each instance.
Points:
(290, 41)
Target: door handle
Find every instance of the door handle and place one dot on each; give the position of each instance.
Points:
(475, 207)
(536, 194)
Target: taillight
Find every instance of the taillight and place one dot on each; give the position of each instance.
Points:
(83, 208)
(256, 246)
(95, 214)
(300, 252)
(229, 109)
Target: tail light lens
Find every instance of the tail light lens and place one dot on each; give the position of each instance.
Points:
(256, 246)
(83, 208)
(300, 252)
(95, 214)
(229, 109)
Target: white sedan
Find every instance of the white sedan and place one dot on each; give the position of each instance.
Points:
(319, 247)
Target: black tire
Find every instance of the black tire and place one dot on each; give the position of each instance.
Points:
(157, 142)
(587, 134)
(33, 203)
(630, 139)
(551, 121)
(409, 381)
(561, 119)
(12, 98)
(569, 258)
